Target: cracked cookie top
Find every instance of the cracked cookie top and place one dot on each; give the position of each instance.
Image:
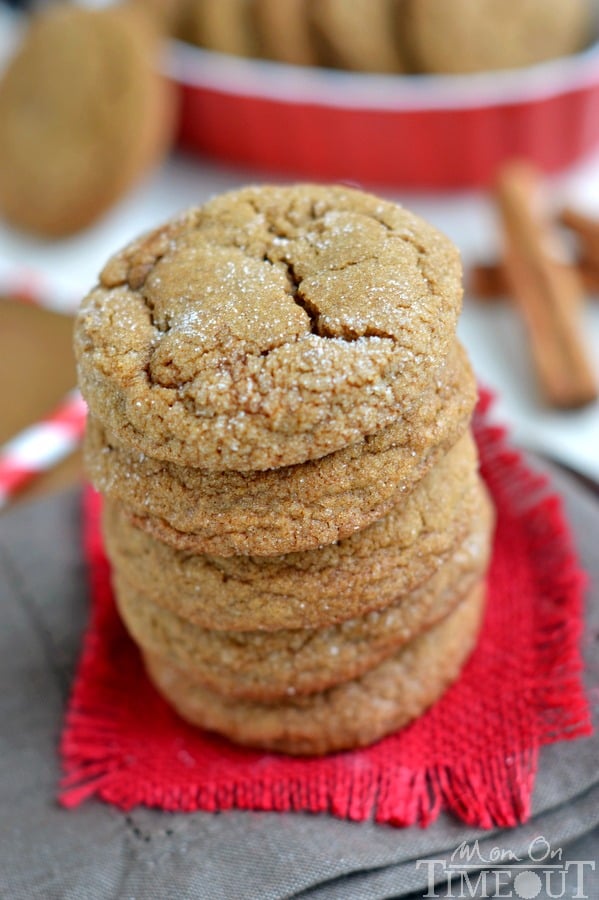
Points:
(270, 326)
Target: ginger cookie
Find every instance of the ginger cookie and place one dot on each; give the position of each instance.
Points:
(340, 581)
(271, 326)
(167, 15)
(266, 666)
(283, 31)
(479, 35)
(295, 508)
(84, 114)
(223, 25)
(360, 35)
(352, 714)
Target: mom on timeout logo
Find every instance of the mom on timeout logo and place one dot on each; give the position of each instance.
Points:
(499, 872)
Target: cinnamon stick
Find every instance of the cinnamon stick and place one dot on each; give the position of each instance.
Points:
(586, 229)
(547, 292)
(589, 273)
(487, 282)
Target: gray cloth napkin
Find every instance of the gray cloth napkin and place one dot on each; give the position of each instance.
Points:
(97, 852)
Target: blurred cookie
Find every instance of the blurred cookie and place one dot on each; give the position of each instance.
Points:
(349, 578)
(271, 326)
(359, 35)
(352, 714)
(84, 114)
(166, 14)
(223, 25)
(295, 508)
(266, 666)
(480, 35)
(284, 32)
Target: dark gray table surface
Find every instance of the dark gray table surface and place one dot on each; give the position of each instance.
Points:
(97, 852)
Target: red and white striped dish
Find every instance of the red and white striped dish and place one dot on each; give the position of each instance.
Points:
(39, 447)
(33, 288)
(42, 445)
(417, 131)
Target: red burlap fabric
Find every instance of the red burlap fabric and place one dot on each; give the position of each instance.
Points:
(475, 752)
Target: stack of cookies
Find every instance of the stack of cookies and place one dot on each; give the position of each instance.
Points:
(279, 423)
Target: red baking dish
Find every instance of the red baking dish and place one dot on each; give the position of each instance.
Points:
(421, 131)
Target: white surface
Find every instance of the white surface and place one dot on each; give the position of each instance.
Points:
(496, 339)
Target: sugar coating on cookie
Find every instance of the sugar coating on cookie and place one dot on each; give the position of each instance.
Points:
(296, 508)
(315, 588)
(352, 714)
(267, 666)
(271, 326)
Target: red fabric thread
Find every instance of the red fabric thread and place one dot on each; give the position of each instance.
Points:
(475, 752)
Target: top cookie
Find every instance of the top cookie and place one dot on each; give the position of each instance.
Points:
(271, 326)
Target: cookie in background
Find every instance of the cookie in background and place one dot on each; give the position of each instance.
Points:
(85, 114)
(391, 36)
(459, 36)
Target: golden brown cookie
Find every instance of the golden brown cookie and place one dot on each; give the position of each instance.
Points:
(349, 715)
(266, 666)
(363, 572)
(270, 326)
(294, 508)
(166, 14)
(223, 25)
(84, 113)
(284, 32)
(479, 35)
(360, 35)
